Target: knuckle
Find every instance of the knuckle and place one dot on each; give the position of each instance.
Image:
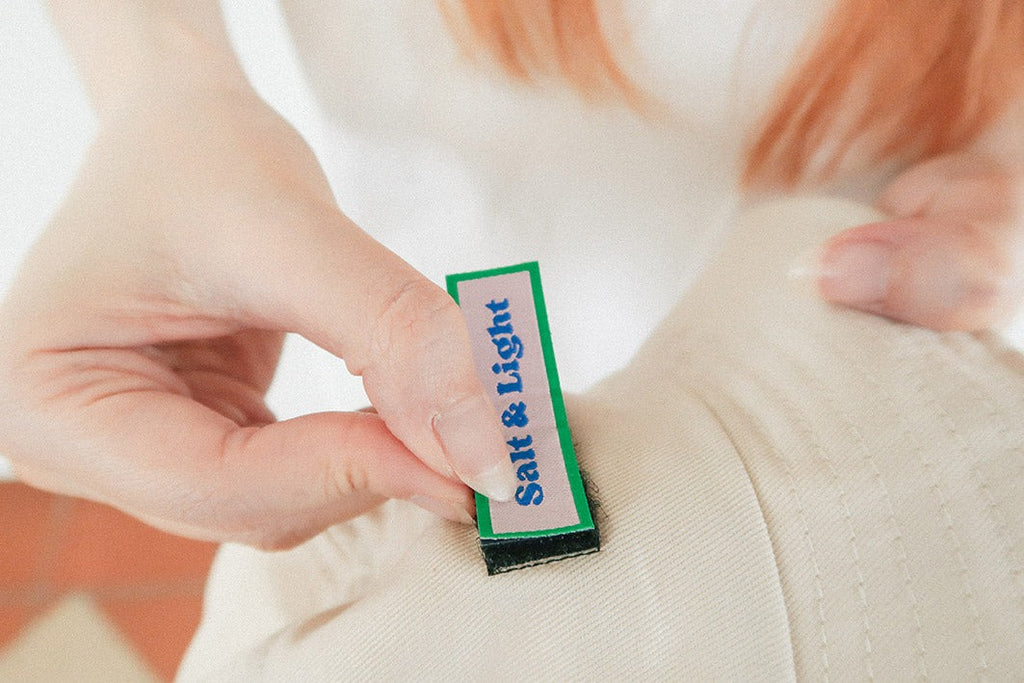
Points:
(344, 480)
(275, 540)
(989, 276)
(419, 315)
(984, 297)
(964, 281)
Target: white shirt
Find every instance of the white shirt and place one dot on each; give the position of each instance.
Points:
(455, 167)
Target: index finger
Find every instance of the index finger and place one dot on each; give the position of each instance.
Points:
(403, 334)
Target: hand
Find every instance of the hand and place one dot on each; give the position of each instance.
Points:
(950, 258)
(144, 328)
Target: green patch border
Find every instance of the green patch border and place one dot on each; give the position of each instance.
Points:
(483, 506)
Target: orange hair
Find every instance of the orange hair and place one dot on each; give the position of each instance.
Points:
(899, 79)
(535, 38)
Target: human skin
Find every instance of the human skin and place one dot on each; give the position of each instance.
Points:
(145, 325)
(143, 329)
(950, 257)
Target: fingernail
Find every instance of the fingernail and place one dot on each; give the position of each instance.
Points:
(496, 483)
(805, 270)
(856, 273)
(443, 508)
(474, 446)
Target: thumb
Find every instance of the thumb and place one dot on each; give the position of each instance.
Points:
(403, 334)
(270, 486)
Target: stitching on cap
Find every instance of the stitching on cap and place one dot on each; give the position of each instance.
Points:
(841, 495)
(903, 558)
(993, 508)
(812, 554)
(967, 588)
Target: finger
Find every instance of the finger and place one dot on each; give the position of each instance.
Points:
(400, 332)
(237, 400)
(189, 470)
(936, 273)
(229, 374)
(955, 184)
(328, 487)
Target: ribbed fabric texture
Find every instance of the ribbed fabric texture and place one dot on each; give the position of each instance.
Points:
(787, 490)
(889, 462)
(685, 584)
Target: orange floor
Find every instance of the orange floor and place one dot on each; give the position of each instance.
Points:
(148, 583)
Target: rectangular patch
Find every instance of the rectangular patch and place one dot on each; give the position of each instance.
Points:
(549, 518)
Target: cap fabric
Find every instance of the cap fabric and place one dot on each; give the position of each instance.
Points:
(785, 489)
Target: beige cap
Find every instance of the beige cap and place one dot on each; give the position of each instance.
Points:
(786, 489)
